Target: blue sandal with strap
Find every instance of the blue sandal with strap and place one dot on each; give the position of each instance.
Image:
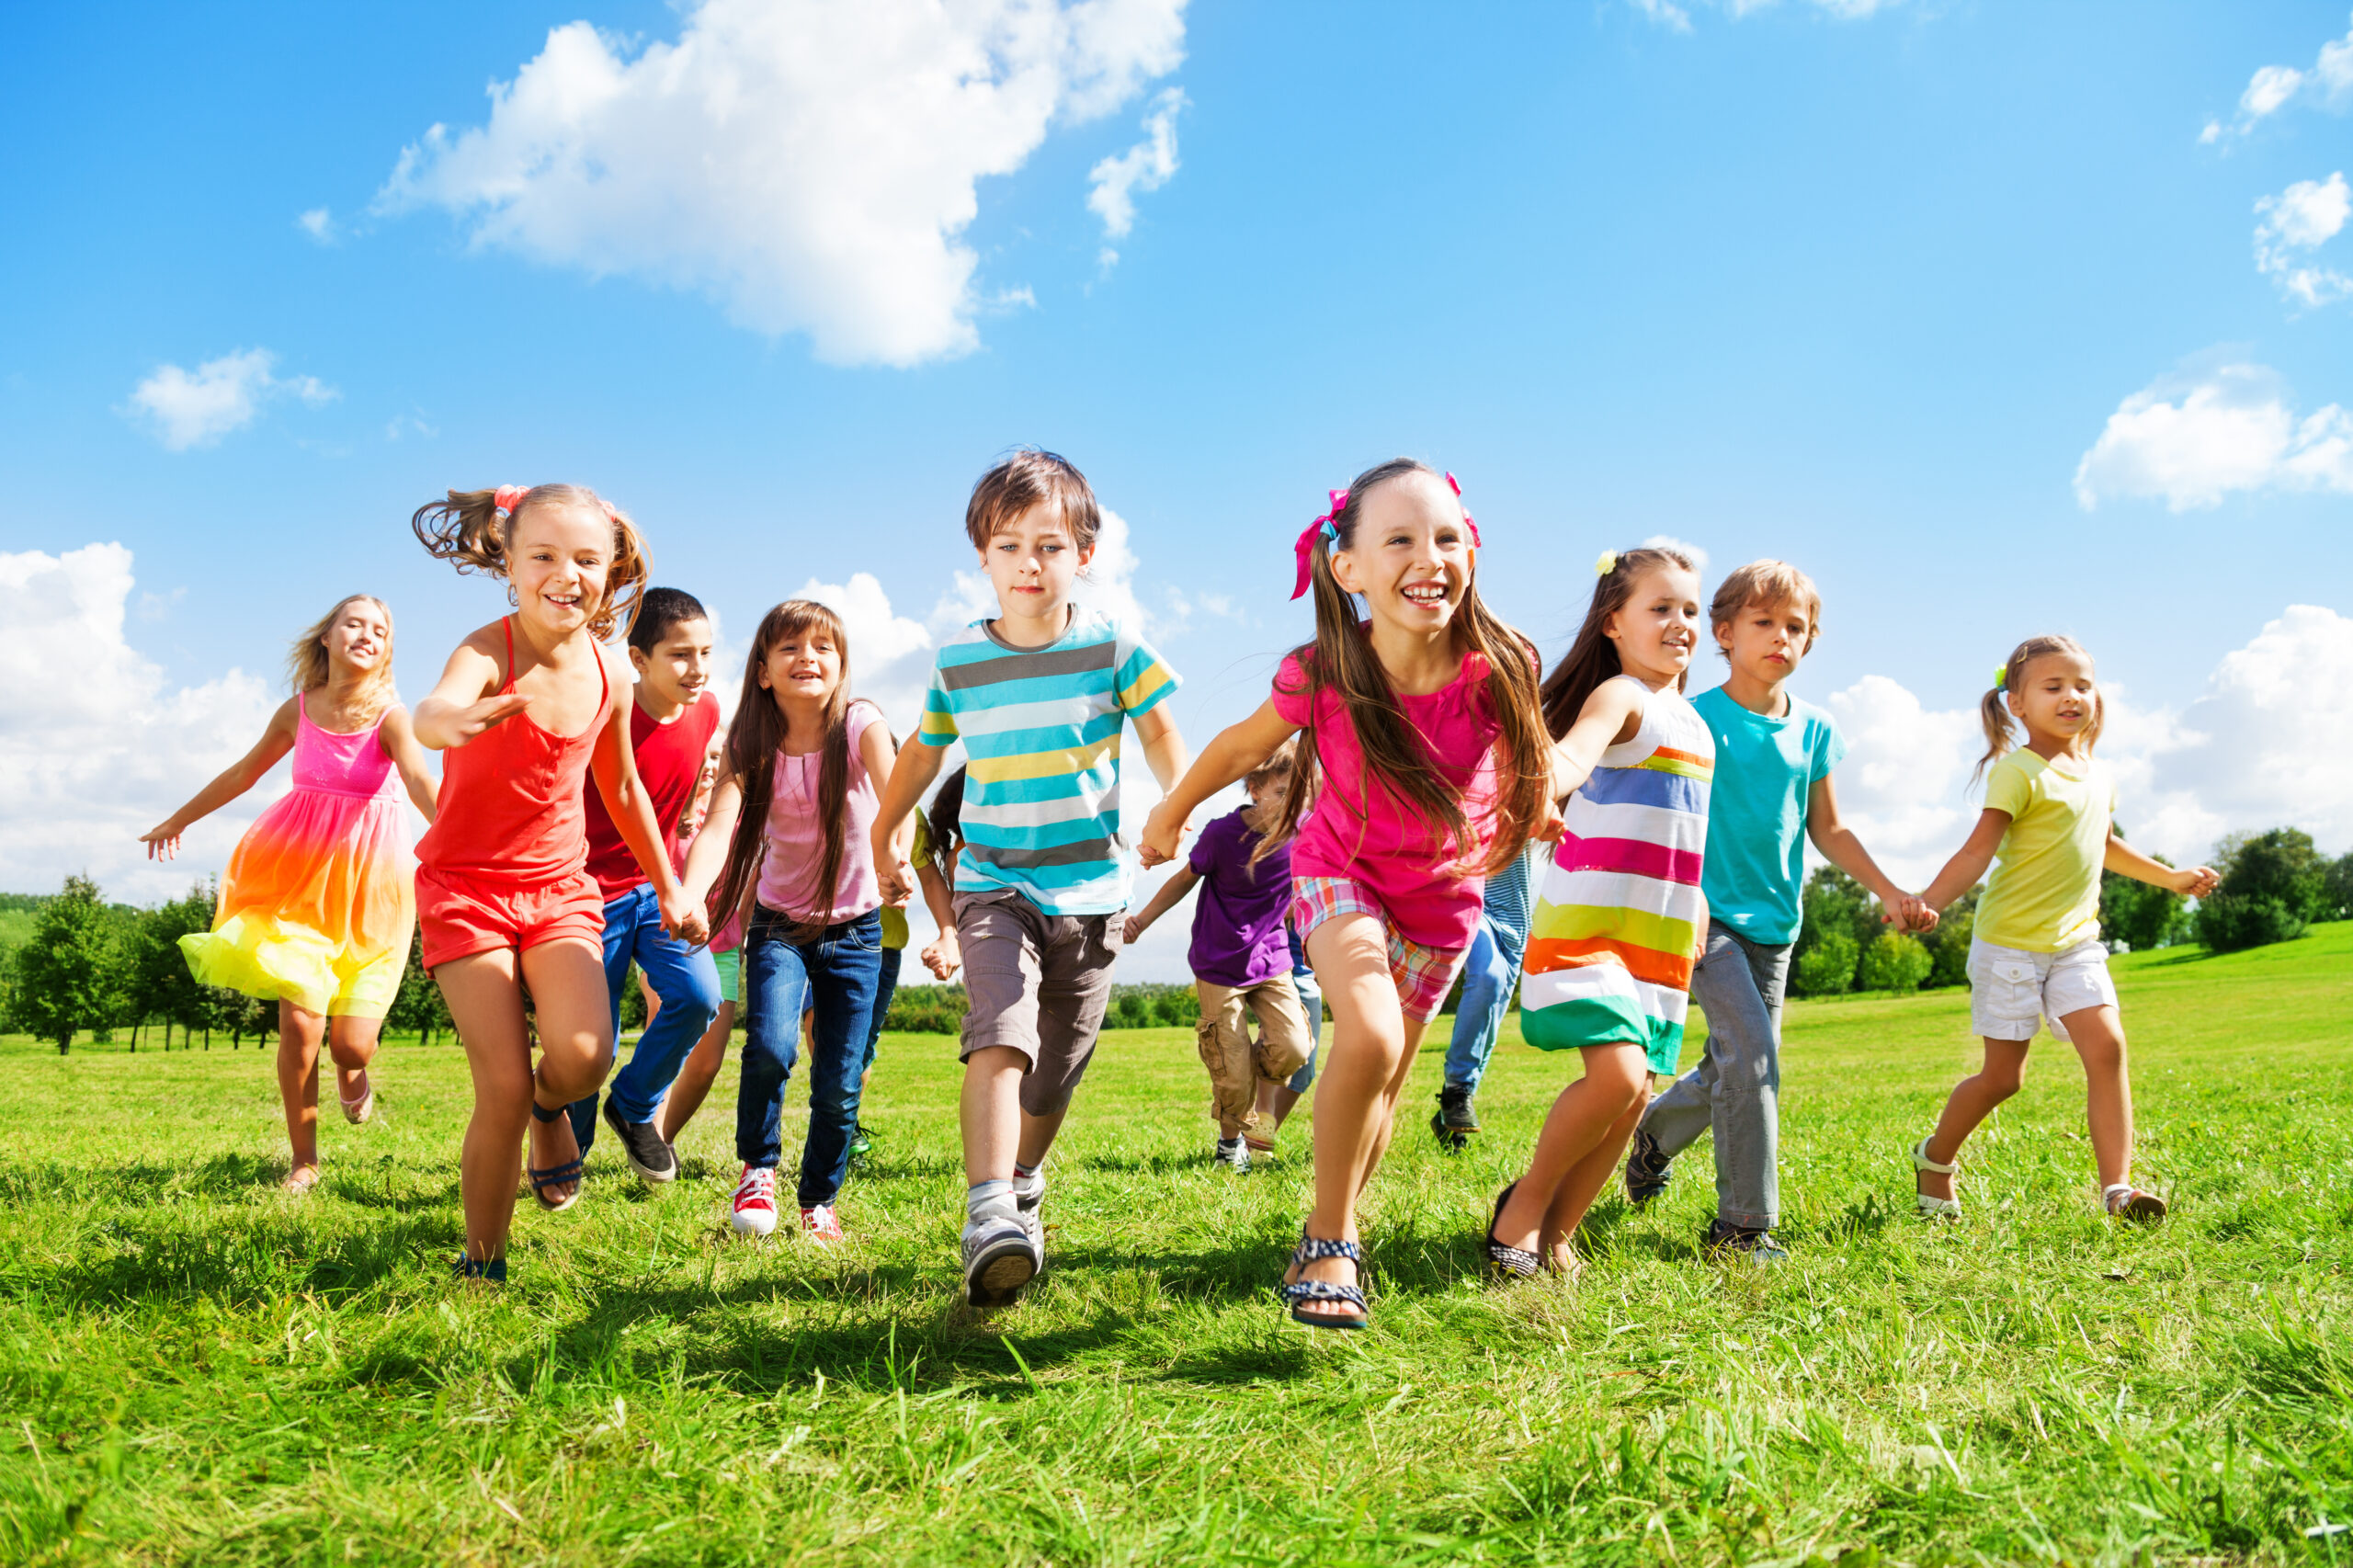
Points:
(491, 1271)
(1313, 1249)
(572, 1170)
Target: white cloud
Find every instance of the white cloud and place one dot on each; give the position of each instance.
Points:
(2191, 441)
(196, 409)
(2274, 87)
(318, 224)
(1668, 14)
(95, 745)
(885, 647)
(1699, 557)
(1147, 166)
(2301, 218)
(1900, 787)
(812, 164)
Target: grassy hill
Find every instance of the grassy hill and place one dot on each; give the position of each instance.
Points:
(193, 1370)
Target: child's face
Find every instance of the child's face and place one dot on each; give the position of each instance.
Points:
(1409, 555)
(1262, 790)
(557, 564)
(679, 666)
(1034, 562)
(359, 638)
(1658, 628)
(2056, 695)
(1767, 642)
(805, 664)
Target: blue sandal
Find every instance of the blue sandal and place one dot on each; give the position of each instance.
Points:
(572, 1170)
(491, 1271)
(1312, 1249)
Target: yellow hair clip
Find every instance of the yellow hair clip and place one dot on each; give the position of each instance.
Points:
(2001, 677)
(1605, 563)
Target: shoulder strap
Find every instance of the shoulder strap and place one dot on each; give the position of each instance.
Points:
(507, 624)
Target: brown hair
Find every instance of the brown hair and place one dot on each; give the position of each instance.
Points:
(1993, 712)
(1771, 584)
(1280, 768)
(1593, 657)
(307, 666)
(1030, 477)
(755, 736)
(1396, 759)
(467, 530)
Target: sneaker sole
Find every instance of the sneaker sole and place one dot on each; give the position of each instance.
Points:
(2147, 1208)
(998, 1275)
(753, 1229)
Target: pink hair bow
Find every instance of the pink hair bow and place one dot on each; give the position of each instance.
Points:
(1456, 486)
(508, 497)
(1322, 528)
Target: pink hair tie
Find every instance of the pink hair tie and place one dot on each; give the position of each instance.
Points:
(1456, 486)
(1322, 528)
(507, 497)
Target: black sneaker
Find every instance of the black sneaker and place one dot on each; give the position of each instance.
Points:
(1743, 1242)
(1647, 1169)
(649, 1156)
(1456, 1118)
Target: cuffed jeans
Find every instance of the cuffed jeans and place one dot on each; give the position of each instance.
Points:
(685, 978)
(1735, 1091)
(836, 974)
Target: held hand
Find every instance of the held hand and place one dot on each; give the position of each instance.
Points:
(683, 918)
(162, 843)
(1131, 931)
(943, 956)
(475, 717)
(1551, 825)
(1909, 914)
(2196, 882)
(1161, 832)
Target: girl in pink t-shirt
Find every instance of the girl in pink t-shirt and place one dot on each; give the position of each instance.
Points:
(1427, 764)
(791, 820)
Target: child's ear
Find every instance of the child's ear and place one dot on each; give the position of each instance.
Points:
(1722, 629)
(637, 661)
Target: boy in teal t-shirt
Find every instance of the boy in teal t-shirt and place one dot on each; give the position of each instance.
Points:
(1772, 792)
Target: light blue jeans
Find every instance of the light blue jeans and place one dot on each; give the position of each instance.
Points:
(687, 980)
(1491, 974)
(1736, 1089)
(1311, 998)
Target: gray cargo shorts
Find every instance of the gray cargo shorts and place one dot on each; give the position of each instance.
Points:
(1038, 983)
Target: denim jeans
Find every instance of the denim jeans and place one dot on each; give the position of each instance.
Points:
(886, 986)
(687, 980)
(1492, 971)
(1311, 998)
(1736, 1089)
(836, 974)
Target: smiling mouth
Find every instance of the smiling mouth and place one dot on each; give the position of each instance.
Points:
(1431, 593)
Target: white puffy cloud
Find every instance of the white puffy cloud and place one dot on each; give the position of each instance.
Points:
(2301, 218)
(1147, 166)
(95, 745)
(812, 164)
(1900, 787)
(2329, 82)
(885, 647)
(1698, 557)
(2191, 441)
(196, 408)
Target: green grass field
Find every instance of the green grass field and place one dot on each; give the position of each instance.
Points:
(195, 1370)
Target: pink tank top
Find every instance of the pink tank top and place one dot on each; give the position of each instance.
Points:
(511, 808)
(352, 765)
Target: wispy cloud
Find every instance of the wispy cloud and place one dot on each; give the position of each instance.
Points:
(2297, 221)
(1147, 166)
(195, 408)
(318, 224)
(2329, 82)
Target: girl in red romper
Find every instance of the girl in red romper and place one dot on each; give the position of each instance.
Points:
(525, 710)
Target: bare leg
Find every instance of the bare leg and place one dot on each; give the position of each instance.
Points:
(989, 1112)
(2097, 1034)
(1415, 1029)
(696, 1075)
(1973, 1100)
(352, 1042)
(299, 1033)
(1037, 1134)
(1575, 1194)
(1355, 1092)
(1275, 1102)
(574, 1014)
(1578, 1127)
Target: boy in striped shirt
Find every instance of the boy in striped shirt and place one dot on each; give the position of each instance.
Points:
(1039, 696)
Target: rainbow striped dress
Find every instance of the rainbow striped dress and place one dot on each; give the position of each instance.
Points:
(1609, 949)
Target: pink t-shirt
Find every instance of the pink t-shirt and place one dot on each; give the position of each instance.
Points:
(797, 839)
(1407, 861)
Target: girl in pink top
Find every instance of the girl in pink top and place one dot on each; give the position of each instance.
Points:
(1423, 726)
(797, 785)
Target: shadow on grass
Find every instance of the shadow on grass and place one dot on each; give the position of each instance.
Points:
(170, 1263)
(224, 1176)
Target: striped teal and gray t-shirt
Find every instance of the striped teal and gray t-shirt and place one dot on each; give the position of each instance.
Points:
(1041, 729)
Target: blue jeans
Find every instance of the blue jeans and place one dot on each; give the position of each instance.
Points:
(1735, 1092)
(1492, 971)
(684, 978)
(885, 987)
(836, 974)
(1311, 997)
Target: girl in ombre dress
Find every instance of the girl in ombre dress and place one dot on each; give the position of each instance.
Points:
(317, 905)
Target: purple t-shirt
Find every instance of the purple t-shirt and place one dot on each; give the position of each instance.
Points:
(1238, 937)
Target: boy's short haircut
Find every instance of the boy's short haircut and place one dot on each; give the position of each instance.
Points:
(660, 609)
(1770, 583)
(1029, 478)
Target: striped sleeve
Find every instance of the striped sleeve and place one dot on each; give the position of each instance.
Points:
(939, 725)
(1142, 681)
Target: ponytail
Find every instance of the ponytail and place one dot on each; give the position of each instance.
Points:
(1993, 709)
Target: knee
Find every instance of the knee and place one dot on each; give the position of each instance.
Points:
(1621, 1078)
(2003, 1079)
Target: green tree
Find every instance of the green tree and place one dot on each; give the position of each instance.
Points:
(2140, 914)
(1895, 961)
(418, 1005)
(1827, 966)
(66, 975)
(2276, 885)
(1834, 905)
(2340, 888)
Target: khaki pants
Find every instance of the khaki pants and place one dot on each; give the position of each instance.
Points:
(1236, 1063)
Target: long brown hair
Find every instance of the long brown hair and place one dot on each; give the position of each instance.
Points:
(1593, 657)
(1396, 759)
(308, 667)
(755, 736)
(1993, 712)
(467, 530)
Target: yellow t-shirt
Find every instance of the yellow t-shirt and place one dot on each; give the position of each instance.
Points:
(2043, 896)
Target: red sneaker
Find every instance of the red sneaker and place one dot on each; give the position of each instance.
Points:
(821, 1224)
(756, 1201)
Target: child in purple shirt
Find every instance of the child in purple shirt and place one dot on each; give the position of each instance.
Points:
(1242, 959)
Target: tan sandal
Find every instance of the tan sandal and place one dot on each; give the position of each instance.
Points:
(299, 1181)
(359, 1110)
(2126, 1201)
(1934, 1208)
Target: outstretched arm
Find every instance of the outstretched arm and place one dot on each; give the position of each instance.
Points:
(1961, 872)
(1611, 714)
(2196, 881)
(1843, 849)
(613, 763)
(163, 840)
(397, 737)
(912, 772)
(1229, 758)
(465, 702)
(944, 953)
(706, 857)
(1172, 892)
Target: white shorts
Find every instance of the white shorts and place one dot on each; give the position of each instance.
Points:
(2011, 991)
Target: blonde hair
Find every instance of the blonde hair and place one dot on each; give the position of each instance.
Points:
(1276, 777)
(308, 667)
(1771, 584)
(1994, 711)
(467, 530)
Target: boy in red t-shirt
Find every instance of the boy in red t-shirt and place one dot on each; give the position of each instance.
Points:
(670, 725)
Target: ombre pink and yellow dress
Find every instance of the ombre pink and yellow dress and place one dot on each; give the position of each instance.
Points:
(320, 897)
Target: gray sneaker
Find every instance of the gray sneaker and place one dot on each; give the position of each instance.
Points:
(652, 1159)
(1001, 1255)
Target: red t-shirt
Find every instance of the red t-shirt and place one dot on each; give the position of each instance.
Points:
(669, 760)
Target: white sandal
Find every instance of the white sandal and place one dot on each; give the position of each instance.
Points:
(1934, 1208)
(2125, 1201)
(359, 1110)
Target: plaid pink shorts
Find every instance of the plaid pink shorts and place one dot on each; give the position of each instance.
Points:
(1424, 975)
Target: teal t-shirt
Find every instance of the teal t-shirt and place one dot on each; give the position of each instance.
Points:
(1765, 768)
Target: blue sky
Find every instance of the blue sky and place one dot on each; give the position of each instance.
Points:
(1963, 307)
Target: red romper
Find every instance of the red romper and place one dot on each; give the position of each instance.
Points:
(504, 865)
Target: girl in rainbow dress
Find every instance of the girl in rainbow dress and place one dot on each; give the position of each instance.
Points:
(317, 908)
(1423, 729)
(2035, 951)
(1619, 923)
